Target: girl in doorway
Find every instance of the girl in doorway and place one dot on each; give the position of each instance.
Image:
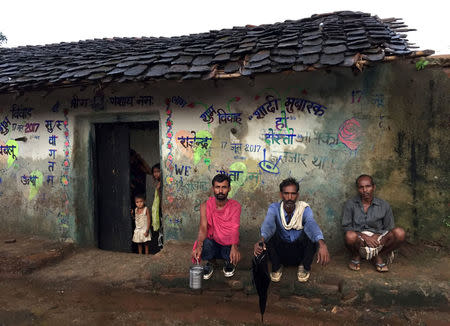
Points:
(156, 207)
(142, 217)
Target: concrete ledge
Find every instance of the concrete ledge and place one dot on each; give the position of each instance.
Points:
(344, 292)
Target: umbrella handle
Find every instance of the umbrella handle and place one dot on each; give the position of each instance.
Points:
(197, 261)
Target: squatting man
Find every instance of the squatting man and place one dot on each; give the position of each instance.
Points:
(218, 234)
(290, 234)
(369, 227)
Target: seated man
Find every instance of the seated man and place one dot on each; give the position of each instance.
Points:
(369, 229)
(218, 234)
(291, 235)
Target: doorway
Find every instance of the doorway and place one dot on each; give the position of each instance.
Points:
(123, 157)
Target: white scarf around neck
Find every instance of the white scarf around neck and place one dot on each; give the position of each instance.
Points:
(296, 222)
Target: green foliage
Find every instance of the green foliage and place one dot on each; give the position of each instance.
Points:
(421, 64)
(446, 221)
(3, 38)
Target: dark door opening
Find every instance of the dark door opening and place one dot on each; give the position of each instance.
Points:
(120, 176)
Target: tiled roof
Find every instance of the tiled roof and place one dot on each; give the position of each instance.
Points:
(337, 39)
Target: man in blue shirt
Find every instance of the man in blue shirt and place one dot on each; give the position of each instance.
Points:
(290, 234)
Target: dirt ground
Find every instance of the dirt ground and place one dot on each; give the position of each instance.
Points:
(44, 282)
(25, 302)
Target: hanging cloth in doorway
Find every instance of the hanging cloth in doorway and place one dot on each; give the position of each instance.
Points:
(155, 211)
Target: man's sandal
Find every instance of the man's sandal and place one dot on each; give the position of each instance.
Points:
(381, 267)
(354, 265)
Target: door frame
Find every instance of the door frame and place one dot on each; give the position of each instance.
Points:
(86, 225)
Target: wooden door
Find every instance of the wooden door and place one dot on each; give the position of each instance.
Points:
(113, 187)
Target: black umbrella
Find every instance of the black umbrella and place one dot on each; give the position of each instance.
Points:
(261, 279)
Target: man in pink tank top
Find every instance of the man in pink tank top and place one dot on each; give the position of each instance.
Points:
(218, 233)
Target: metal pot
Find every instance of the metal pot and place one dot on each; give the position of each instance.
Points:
(195, 277)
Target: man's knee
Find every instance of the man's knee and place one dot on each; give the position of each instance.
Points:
(208, 249)
(399, 234)
(225, 252)
(208, 243)
(350, 237)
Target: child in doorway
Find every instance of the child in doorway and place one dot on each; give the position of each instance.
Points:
(142, 217)
(156, 207)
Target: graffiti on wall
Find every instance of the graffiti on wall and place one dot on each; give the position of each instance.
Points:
(282, 121)
(202, 145)
(281, 134)
(169, 135)
(239, 171)
(131, 100)
(36, 185)
(20, 112)
(208, 115)
(194, 144)
(194, 139)
(182, 170)
(25, 135)
(363, 95)
(8, 150)
(228, 117)
(273, 104)
(178, 100)
(173, 222)
(287, 138)
(4, 126)
(249, 158)
(13, 152)
(222, 115)
(268, 166)
(239, 148)
(98, 101)
(318, 137)
(52, 124)
(66, 163)
(350, 133)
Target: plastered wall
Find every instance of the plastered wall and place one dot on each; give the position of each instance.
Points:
(323, 128)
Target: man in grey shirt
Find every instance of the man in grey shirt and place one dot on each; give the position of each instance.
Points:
(369, 227)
